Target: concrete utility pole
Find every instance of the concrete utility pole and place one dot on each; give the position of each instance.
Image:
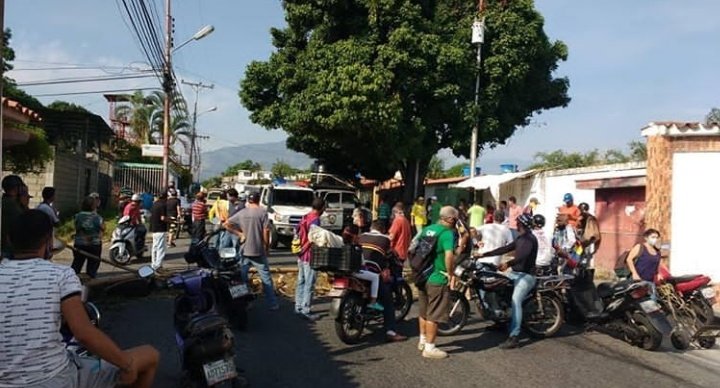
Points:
(168, 89)
(478, 37)
(196, 86)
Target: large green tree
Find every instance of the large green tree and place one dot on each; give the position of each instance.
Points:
(375, 86)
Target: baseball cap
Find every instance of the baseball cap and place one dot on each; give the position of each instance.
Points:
(567, 197)
(254, 197)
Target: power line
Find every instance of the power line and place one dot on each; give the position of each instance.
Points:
(81, 80)
(94, 91)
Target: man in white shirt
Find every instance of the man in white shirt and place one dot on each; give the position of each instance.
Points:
(46, 206)
(34, 295)
(494, 236)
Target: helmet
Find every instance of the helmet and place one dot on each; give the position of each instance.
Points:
(525, 220)
(136, 197)
(11, 182)
(539, 220)
(568, 197)
(584, 207)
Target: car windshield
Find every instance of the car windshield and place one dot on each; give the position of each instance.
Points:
(214, 195)
(293, 197)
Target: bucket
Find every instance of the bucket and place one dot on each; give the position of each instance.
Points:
(505, 168)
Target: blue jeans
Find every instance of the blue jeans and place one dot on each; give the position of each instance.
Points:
(263, 268)
(514, 233)
(385, 297)
(305, 284)
(523, 284)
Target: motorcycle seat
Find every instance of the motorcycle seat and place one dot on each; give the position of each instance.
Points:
(605, 290)
(682, 279)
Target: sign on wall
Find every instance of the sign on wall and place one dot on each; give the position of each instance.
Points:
(152, 150)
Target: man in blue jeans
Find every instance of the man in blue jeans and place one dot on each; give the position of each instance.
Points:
(306, 275)
(523, 266)
(252, 226)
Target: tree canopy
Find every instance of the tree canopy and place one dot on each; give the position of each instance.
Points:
(559, 159)
(375, 86)
(280, 169)
(713, 117)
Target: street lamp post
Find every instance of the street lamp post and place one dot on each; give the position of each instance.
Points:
(478, 37)
(168, 83)
(197, 86)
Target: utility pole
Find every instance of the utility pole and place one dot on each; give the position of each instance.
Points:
(196, 86)
(478, 37)
(168, 89)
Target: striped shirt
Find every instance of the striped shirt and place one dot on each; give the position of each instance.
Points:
(199, 211)
(31, 291)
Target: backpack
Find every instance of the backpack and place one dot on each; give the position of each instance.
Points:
(301, 232)
(422, 257)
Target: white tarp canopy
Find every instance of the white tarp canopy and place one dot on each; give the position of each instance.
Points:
(484, 182)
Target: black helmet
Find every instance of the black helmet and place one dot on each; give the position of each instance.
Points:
(584, 207)
(525, 220)
(539, 220)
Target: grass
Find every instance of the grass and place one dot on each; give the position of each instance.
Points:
(67, 226)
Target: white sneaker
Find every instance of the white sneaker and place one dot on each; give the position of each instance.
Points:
(434, 353)
(421, 346)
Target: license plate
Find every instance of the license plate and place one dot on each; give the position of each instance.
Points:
(649, 306)
(334, 293)
(239, 291)
(708, 292)
(218, 371)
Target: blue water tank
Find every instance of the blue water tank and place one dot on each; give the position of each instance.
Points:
(466, 171)
(508, 168)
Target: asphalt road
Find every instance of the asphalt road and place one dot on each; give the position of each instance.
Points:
(281, 350)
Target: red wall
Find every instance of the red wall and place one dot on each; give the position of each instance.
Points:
(621, 226)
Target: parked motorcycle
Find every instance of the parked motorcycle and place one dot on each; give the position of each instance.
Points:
(492, 291)
(351, 298)
(125, 242)
(203, 337)
(625, 309)
(228, 284)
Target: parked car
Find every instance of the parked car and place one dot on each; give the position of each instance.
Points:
(286, 205)
(340, 205)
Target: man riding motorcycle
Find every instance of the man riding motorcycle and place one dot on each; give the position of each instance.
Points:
(133, 210)
(523, 267)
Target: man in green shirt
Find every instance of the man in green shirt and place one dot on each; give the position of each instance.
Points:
(477, 215)
(11, 185)
(434, 299)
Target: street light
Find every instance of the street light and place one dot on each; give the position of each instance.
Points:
(478, 37)
(194, 135)
(208, 110)
(203, 32)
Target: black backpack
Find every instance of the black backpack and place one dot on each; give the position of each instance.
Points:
(422, 258)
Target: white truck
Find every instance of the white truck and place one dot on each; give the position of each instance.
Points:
(286, 205)
(340, 204)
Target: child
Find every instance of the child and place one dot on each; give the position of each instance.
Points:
(374, 279)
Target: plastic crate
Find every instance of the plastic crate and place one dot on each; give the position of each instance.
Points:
(345, 259)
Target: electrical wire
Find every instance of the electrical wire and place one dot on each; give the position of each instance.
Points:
(81, 80)
(94, 91)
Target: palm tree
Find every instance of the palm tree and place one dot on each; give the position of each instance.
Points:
(145, 116)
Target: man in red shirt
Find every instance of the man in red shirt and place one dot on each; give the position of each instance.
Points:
(132, 210)
(199, 215)
(400, 233)
(573, 212)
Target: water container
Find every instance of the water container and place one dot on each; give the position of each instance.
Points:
(505, 168)
(466, 171)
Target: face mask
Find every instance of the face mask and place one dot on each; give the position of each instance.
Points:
(652, 241)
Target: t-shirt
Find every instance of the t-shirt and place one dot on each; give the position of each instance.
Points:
(545, 251)
(31, 291)
(88, 230)
(47, 209)
(384, 211)
(477, 216)
(133, 211)
(494, 236)
(10, 210)
(157, 214)
(401, 233)
(252, 221)
(573, 213)
(172, 206)
(199, 211)
(445, 242)
(233, 208)
(419, 215)
(514, 211)
(309, 220)
(375, 247)
(435, 212)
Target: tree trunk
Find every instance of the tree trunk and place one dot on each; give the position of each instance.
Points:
(414, 179)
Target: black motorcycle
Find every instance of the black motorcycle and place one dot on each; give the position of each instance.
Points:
(626, 309)
(231, 290)
(492, 292)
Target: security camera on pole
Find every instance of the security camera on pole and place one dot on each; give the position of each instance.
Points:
(478, 38)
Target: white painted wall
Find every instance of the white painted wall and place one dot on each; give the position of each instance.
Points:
(694, 230)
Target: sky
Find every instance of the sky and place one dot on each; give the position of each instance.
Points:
(630, 63)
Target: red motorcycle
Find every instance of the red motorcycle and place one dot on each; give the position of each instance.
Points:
(694, 290)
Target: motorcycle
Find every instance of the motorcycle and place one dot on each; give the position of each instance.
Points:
(625, 309)
(228, 285)
(125, 242)
(203, 337)
(68, 337)
(542, 310)
(351, 297)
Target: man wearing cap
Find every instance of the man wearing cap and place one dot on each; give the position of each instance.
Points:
(132, 210)
(253, 225)
(573, 212)
(174, 211)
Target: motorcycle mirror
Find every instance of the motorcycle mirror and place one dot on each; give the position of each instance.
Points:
(227, 253)
(146, 271)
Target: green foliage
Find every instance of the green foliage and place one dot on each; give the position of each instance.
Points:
(247, 164)
(280, 169)
(559, 159)
(65, 106)
(215, 181)
(379, 85)
(456, 170)
(31, 156)
(144, 114)
(713, 117)
(436, 168)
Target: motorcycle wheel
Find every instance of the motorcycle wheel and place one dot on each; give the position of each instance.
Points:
(652, 338)
(459, 313)
(703, 310)
(350, 323)
(706, 343)
(119, 259)
(546, 323)
(679, 340)
(402, 299)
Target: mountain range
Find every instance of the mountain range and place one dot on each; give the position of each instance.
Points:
(216, 161)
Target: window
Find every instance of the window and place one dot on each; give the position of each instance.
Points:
(349, 199)
(293, 197)
(332, 199)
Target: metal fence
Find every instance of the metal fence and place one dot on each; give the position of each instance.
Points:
(140, 177)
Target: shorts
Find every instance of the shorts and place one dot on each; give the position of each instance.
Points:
(434, 303)
(84, 372)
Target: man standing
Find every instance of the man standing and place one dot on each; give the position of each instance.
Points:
(514, 212)
(588, 232)
(418, 215)
(434, 210)
(476, 214)
(569, 209)
(523, 267)
(46, 206)
(174, 212)
(306, 275)
(199, 215)
(253, 225)
(564, 240)
(159, 228)
(532, 205)
(433, 297)
(494, 236)
(11, 186)
(400, 233)
(543, 261)
(384, 211)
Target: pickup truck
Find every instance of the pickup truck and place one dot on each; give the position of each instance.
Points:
(286, 205)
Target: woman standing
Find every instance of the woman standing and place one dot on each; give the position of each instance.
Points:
(88, 237)
(644, 259)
